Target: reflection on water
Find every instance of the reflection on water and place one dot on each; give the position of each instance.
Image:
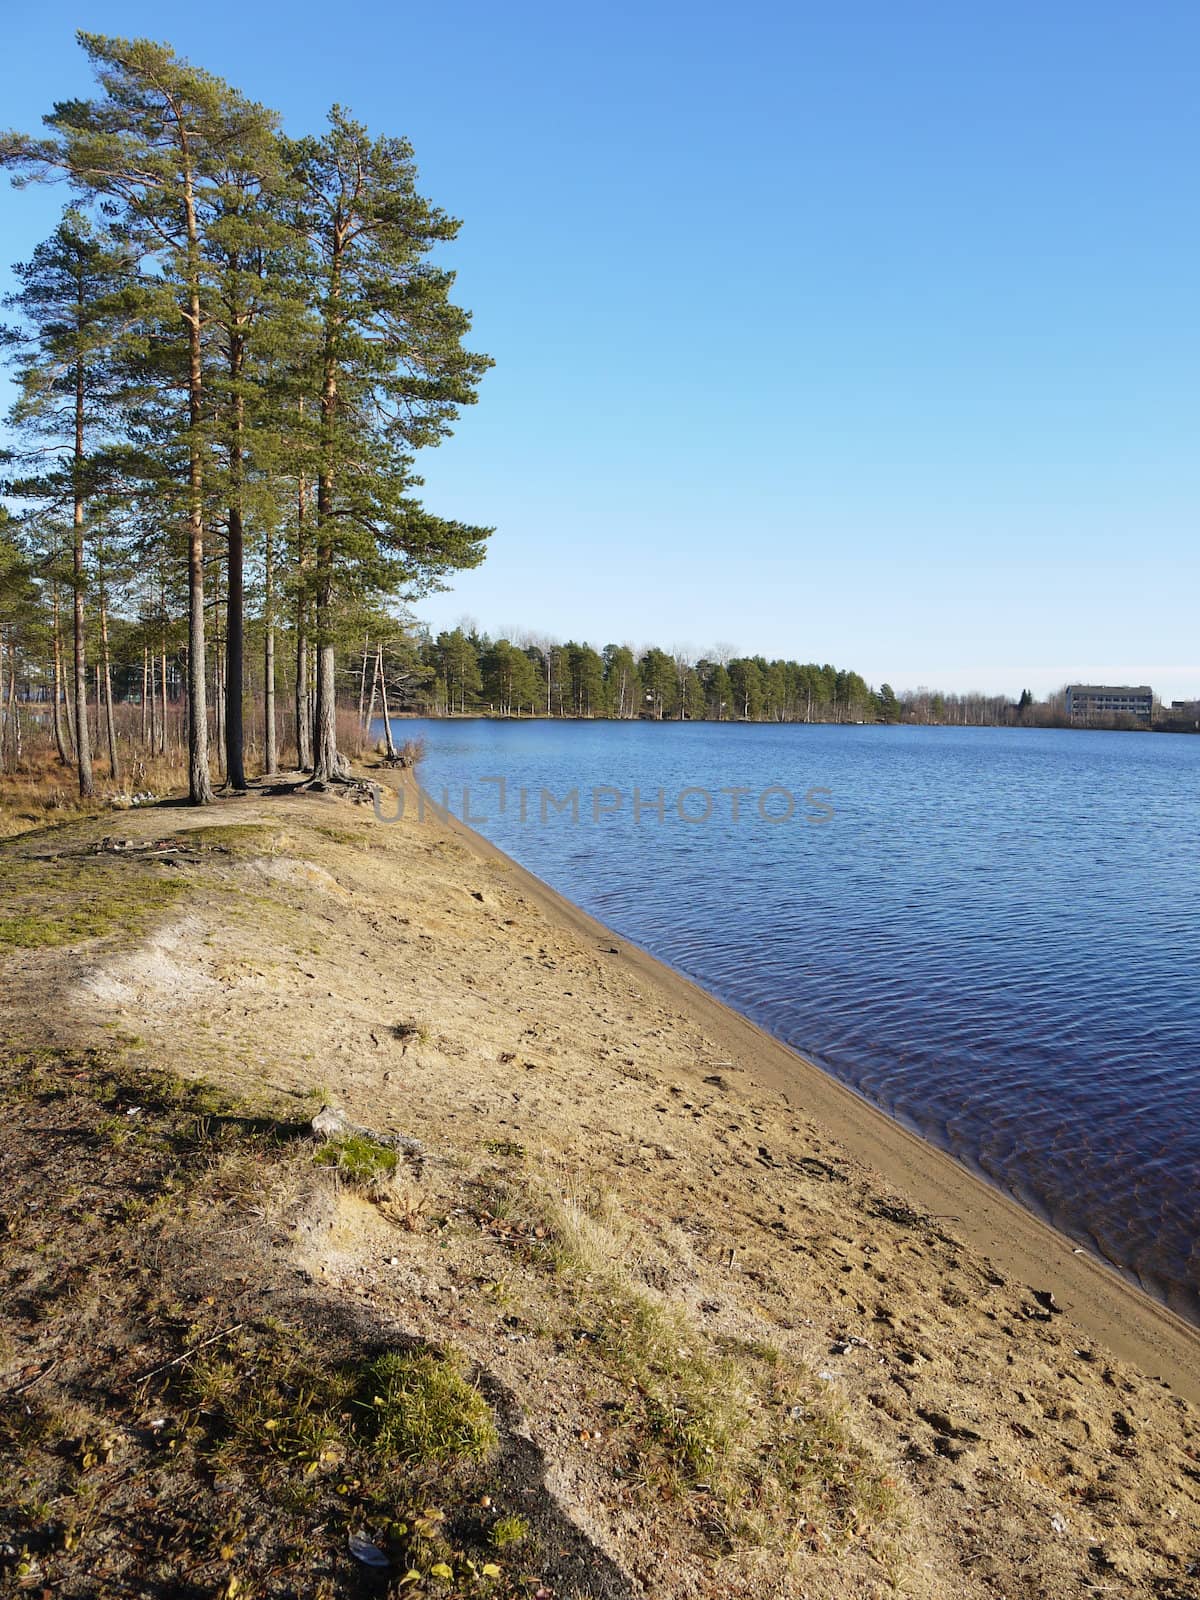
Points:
(995, 937)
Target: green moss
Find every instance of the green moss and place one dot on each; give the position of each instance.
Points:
(361, 1160)
(418, 1407)
(68, 900)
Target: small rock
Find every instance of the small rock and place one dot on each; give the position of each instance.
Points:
(329, 1122)
(363, 1550)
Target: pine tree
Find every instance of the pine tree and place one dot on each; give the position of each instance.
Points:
(622, 685)
(719, 693)
(154, 147)
(458, 665)
(393, 373)
(252, 271)
(77, 297)
(748, 690)
(659, 681)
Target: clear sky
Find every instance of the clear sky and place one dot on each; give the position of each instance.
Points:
(859, 332)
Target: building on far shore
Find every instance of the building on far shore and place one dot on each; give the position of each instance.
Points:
(1183, 717)
(1093, 702)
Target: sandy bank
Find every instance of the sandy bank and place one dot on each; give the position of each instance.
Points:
(564, 1081)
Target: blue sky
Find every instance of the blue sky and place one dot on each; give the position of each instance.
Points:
(864, 333)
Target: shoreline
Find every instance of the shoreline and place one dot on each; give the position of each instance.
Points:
(815, 722)
(1119, 1314)
(757, 1337)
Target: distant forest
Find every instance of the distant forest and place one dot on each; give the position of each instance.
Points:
(465, 672)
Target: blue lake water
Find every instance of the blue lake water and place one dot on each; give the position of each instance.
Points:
(995, 936)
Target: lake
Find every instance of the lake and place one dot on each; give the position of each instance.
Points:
(992, 934)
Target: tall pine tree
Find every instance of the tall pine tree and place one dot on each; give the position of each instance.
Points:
(77, 299)
(155, 146)
(392, 374)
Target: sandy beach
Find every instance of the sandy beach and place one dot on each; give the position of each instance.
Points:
(1033, 1415)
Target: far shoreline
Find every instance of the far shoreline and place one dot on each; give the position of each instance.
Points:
(738, 722)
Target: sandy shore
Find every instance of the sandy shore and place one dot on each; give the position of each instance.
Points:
(1035, 1412)
(1130, 1323)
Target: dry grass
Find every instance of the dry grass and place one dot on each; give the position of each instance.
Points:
(762, 1439)
(154, 1383)
(43, 791)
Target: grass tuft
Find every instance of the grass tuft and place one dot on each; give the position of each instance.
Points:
(418, 1407)
(507, 1532)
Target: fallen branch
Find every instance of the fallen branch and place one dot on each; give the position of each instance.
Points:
(188, 1354)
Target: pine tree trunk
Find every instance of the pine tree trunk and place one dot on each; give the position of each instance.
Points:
(59, 742)
(304, 754)
(387, 718)
(235, 643)
(270, 747)
(371, 706)
(162, 728)
(83, 744)
(4, 709)
(113, 764)
(145, 675)
(3, 712)
(362, 687)
(311, 702)
(14, 716)
(219, 686)
(303, 721)
(234, 657)
(328, 762)
(154, 713)
(69, 710)
(199, 781)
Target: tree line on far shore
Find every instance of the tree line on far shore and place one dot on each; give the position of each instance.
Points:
(466, 672)
(228, 354)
